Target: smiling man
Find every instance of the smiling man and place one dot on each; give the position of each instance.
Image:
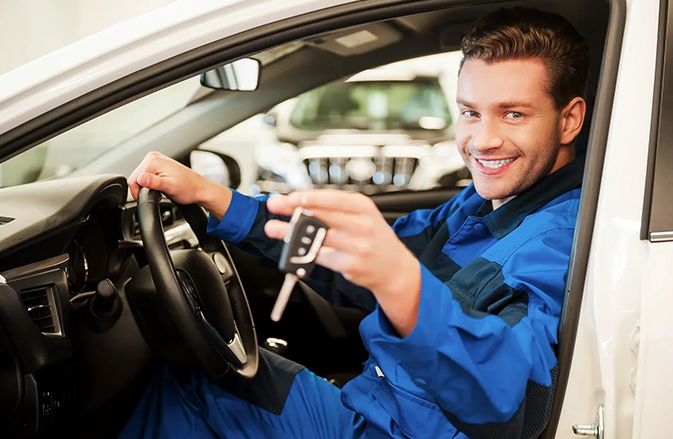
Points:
(465, 299)
(516, 125)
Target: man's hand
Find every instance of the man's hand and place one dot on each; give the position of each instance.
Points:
(361, 246)
(179, 183)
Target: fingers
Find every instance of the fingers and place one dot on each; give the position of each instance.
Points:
(346, 211)
(146, 166)
(152, 181)
(352, 224)
(334, 253)
(156, 171)
(335, 260)
(361, 223)
(336, 239)
(350, 265)
(359, 243)
(276, 229)
(134, 187)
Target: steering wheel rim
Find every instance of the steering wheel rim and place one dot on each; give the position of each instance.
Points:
(219, 345)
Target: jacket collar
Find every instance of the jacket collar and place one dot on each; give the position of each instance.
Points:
(510, 215)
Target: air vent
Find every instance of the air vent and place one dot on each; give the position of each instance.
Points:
(39, 302)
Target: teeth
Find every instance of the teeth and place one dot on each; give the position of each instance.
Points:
(495, 164)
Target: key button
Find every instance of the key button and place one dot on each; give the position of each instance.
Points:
(306, 240)
(310, 229)
(301, 251)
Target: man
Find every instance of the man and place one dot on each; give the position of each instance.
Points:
(467, 296)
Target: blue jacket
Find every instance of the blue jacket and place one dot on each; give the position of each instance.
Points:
(481, 360)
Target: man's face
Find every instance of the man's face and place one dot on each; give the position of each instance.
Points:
(508, 131)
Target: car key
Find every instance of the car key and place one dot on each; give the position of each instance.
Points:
(302, 243)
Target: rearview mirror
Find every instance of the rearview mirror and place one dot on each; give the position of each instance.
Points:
(240, 75)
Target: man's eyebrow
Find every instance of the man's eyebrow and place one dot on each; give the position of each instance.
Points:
(506, 104)
(464, 103)
(512, 104)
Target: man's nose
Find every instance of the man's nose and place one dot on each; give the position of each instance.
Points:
(486, 136)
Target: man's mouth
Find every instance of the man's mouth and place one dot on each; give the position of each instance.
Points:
(495, 164)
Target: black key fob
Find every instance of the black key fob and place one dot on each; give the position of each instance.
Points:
(302, 243)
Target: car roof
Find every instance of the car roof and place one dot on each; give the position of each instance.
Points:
(178, 27)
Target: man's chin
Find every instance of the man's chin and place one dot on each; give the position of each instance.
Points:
(491, 194)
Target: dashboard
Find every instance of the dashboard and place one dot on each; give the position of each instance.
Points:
(64, 367)
(62, 242)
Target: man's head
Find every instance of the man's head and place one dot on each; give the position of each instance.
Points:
(520, 95)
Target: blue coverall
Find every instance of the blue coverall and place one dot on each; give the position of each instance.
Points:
(480, 361)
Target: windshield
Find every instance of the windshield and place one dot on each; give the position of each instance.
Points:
(63, 154)
(419, 104)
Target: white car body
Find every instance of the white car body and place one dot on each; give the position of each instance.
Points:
(623, 352)
(623, 356)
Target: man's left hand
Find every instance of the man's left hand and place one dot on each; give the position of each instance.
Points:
(361, 246)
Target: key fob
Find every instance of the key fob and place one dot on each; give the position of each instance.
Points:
(302, 243)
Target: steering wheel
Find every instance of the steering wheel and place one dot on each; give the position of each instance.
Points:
(196, 300)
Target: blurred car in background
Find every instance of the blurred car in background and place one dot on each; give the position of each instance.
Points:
(381, 130)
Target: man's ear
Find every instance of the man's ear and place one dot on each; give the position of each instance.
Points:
(572, 118)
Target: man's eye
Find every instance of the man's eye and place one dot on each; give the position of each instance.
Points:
(514, 115)
(469, 114)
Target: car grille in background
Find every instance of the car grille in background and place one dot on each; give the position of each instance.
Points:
(39, 302)
(365, 173)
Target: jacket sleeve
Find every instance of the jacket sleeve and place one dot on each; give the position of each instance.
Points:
(243, 226)
(484, 340)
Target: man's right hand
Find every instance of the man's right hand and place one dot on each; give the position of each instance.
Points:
(179, 183)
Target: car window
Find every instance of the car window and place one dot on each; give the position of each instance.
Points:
(398, 136)
(62, 154)
(384, 129)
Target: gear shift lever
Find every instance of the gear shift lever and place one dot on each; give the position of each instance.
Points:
(105, 306)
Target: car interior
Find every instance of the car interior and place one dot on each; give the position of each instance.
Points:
(82, 324)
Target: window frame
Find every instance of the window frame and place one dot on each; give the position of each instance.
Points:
(657, 222)
(591, 182)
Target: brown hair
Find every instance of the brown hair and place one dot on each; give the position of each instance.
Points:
(520, 33)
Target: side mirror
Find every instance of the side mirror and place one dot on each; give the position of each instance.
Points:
(217, 167)
(240, 75)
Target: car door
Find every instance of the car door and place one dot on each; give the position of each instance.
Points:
(619, 377)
